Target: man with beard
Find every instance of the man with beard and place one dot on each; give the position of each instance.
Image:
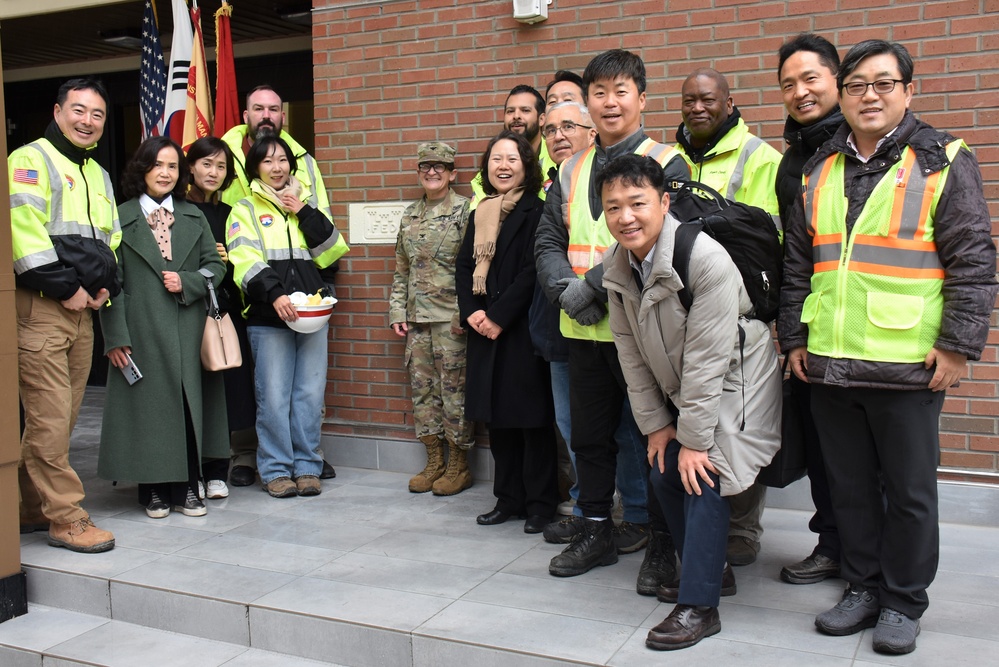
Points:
(806, 72)
(523, 113)
(265, 116)
(724, 155)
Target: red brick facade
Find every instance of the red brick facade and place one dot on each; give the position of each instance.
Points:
(389, 74)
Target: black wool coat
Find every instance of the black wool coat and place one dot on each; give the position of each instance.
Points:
(506, 384)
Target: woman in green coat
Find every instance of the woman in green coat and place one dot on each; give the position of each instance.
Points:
(157, 430)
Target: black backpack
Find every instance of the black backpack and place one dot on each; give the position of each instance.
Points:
(748, 233)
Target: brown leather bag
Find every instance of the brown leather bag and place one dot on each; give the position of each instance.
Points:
(219, 344)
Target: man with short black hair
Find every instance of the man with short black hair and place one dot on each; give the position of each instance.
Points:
(572, 238)
(711, 446)
(889, 287)
(566, 86)
(806, 71)
(64, 229)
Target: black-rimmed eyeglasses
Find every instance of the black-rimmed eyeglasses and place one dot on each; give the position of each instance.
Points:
(437, 167)
(881, 87)
(568, 129)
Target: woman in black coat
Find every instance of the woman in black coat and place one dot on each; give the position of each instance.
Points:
(507, 385)
(211, 164)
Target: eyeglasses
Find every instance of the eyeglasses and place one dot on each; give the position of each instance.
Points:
(881, 87)
(427, 167)
(568, 129)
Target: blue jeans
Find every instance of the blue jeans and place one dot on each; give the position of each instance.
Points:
(699, 525)
(632, 476)
(290, 381)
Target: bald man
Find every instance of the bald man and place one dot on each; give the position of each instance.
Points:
(724, 155)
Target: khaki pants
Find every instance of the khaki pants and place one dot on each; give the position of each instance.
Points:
(55, 347)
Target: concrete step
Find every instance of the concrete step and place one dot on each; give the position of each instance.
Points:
(49, 636)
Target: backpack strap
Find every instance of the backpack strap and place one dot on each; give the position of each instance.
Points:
(683, 244)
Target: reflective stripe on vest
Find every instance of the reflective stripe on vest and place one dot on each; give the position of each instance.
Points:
(899, 244)
(876, 294)
(735, 176)
(589, 238)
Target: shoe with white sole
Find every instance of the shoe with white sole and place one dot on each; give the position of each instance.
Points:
(217, 489)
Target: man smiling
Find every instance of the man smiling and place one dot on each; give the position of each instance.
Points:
(672, 356)
(724, 155)
(889, 285)
(806, 71)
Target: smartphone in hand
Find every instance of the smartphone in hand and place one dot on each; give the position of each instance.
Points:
(131, 371)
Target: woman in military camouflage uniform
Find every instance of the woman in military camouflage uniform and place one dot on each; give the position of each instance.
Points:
(423, 308)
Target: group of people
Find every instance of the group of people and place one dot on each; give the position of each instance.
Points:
(554, 298)
(245, 216)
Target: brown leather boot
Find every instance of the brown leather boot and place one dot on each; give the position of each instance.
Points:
(456, 478)
(81, 535)
(424, 480)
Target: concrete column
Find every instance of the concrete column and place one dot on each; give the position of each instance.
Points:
(13, 595)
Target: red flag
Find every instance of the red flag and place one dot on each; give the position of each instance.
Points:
(226, 95)
(198, 114)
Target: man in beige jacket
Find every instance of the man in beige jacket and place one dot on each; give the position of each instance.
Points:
(717, 367)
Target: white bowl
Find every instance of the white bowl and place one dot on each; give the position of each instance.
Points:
(311, 318)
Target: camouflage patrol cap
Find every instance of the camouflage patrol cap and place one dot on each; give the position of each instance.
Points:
(434, 151)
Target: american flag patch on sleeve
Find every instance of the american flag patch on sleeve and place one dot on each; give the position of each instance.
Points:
(27, 176)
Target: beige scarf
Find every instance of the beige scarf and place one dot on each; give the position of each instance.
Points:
(489, 215)
(160, 221)
(293, 186)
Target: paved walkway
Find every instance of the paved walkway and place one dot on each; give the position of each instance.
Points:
(369, 574)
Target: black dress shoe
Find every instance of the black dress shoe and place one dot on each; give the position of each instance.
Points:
(328, 471)
(685, 626)
(536, 523)
(813, 569)
(671, 591)
(494, 518)
(242, 476)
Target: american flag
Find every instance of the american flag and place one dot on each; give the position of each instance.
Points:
(152, 76)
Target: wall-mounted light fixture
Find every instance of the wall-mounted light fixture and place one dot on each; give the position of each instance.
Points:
(530, 11)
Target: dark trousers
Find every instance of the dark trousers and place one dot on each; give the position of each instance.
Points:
(699, 525)
(526, 477)
(596, 395)
(874, 439)
(823, 522)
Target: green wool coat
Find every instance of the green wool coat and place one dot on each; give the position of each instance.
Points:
(144, 436)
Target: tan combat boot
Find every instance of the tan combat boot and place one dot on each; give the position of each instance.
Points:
(81, 535)
(456, 478)
(424, 480)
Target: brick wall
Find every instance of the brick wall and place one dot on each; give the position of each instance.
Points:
(393, 73)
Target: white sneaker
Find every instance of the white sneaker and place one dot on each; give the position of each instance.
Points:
(565, 508)
(201, 490)
(217, 489)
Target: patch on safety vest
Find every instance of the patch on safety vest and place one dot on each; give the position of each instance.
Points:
(234, 227)
(70, 183)
(26, 176)
(267, 220)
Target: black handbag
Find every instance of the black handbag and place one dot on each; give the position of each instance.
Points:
(788, 464)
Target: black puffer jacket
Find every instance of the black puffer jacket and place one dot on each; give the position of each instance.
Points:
(962, 231)
(802, 142)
